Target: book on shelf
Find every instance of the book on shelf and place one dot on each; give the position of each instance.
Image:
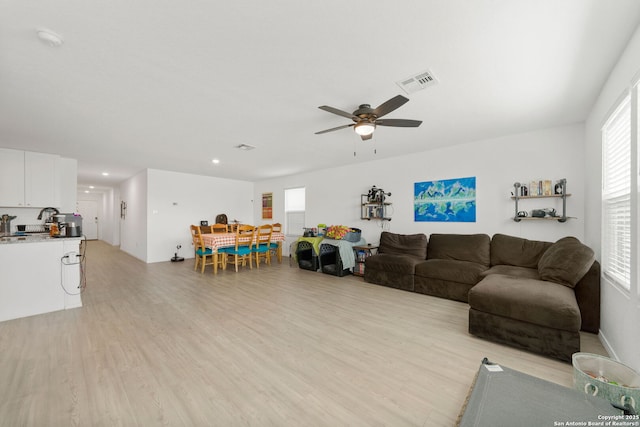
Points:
(542, 187)
(533, 188)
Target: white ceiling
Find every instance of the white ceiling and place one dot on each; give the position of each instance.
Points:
(173, 84)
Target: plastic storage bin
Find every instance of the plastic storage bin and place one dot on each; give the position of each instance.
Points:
(353, 235)
(307, 259)
(330, 261)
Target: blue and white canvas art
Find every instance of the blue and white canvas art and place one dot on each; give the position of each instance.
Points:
(447, 200)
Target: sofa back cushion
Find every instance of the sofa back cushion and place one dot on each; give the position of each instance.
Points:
(510, 250)
(414, 245)
(460, 247)
(566, 262)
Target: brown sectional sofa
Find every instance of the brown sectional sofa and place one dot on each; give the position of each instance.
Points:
(529, 294)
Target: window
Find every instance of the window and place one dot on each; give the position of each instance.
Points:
(294, 205)
(616, 195)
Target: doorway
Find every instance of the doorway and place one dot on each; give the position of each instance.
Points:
(89, 211)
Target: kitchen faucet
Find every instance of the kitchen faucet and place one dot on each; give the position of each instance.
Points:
(47, 210)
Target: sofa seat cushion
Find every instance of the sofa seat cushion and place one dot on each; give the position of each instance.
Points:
(534, 301)
(451, 270)
(392, 263)
(512, 270)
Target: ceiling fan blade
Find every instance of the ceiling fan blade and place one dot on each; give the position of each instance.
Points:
(338, 112)
(402, 123)
(366, 137)
(332, 129)
(390, 105)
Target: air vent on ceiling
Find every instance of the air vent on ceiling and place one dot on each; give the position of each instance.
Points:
(245, 147)
(418, 82)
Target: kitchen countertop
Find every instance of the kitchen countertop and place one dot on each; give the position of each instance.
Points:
(32, 238)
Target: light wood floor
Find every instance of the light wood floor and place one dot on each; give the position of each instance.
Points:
(161, 344)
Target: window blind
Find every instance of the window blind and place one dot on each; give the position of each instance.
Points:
(295, 223)
(294, 208)
(616, 195)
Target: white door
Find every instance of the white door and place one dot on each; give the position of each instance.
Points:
(89, 211)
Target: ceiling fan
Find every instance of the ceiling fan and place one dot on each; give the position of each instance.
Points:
(366, 118)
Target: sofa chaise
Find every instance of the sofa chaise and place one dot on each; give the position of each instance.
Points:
(530, 294)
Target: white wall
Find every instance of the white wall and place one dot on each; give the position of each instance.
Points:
(177, 200)
(133, 237)
(620, 310)
(333, 196)
(109, 227)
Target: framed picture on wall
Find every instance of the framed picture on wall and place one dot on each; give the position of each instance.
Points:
(446, 200)
(267, 205)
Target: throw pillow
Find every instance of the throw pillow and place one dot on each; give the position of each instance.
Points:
(566, 262)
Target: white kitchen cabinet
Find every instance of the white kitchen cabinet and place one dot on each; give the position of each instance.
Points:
(40, 180)
(11, 177)
(29, 179)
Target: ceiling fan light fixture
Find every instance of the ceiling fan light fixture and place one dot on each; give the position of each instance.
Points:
(364, 128)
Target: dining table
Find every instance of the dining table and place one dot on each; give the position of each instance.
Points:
(215, 241)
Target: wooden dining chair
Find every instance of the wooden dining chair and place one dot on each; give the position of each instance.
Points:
(203, 255)
(240, 253)
(276, 247)
(205, 229)
(262, 246)
(218, 228)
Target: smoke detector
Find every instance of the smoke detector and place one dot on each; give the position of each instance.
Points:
(417, 82)
(49, 37)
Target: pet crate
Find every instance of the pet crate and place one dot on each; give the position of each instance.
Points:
(307, 259)
(330, 261)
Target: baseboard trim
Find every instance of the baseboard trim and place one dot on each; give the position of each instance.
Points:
(607, 346)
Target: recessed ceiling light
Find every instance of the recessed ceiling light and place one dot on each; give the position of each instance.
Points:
(49, 37)
(215, 161)
(91, 187)
(105, 173)
(86, 191)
